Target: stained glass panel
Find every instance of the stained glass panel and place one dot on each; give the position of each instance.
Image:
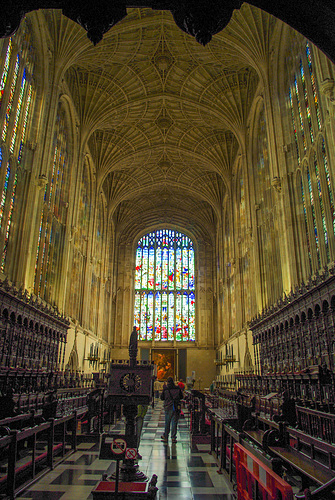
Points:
(9, 223)
(306, 223)
(311, 197)
(323, 217)
(293, 124)
(11, 98)
(315, 94)
(308, 109)
(301, 121)
(164, 262)
(330, 190)
(5, 70)
(25, 120)
(18, 111)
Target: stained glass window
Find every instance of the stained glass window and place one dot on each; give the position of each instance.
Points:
(316, 191)
(164, 287)
(53, 219)
(15, 99)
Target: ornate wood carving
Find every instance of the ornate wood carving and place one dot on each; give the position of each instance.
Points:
(32, 333)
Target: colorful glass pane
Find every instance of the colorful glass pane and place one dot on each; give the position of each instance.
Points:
(4, 193)
(25, 121)
(301, 121)
(185, 318)
(11, 98)
(165, 268)
(191, 269)
(313, 215)
(137, 309)
(9, 223)
(293, 124)
(315, 94)
(308, 109)
(150, 315)
(306, 223)
(5, 70)
(158, 268)
(178, 317)
(185, 268)
(171, 269)
(171, 316)
(164, 326)
(18, 111)
(323, 217)
(191, 317)
(330, 190)
(145, 267)
(138, 268)
(143, 325)
(151, 268)
(178, 268)
(158, 315)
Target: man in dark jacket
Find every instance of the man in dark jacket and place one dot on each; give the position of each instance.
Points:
(171, 395)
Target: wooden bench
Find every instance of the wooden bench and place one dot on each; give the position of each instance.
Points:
(18, 473)
(31, 464)
(312, 458)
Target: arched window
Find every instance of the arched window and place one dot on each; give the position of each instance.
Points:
(164, 287)
(16, 96)
(316, 193)
(54, 214)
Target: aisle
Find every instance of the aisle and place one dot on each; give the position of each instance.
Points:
(184, 473)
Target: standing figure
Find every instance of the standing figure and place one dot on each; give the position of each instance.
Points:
(141, 412)
(171, 395)
(157, 388)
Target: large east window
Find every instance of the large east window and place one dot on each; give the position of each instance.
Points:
(164, 287)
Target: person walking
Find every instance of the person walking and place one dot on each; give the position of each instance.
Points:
(171, 395)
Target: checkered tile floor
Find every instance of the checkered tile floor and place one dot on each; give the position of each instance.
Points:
(184, 471)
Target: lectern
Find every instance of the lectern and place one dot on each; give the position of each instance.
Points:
(130, 384)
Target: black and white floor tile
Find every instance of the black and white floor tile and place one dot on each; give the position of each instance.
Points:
(184, 472)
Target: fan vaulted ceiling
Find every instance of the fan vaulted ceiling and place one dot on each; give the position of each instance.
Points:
(163, 116)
